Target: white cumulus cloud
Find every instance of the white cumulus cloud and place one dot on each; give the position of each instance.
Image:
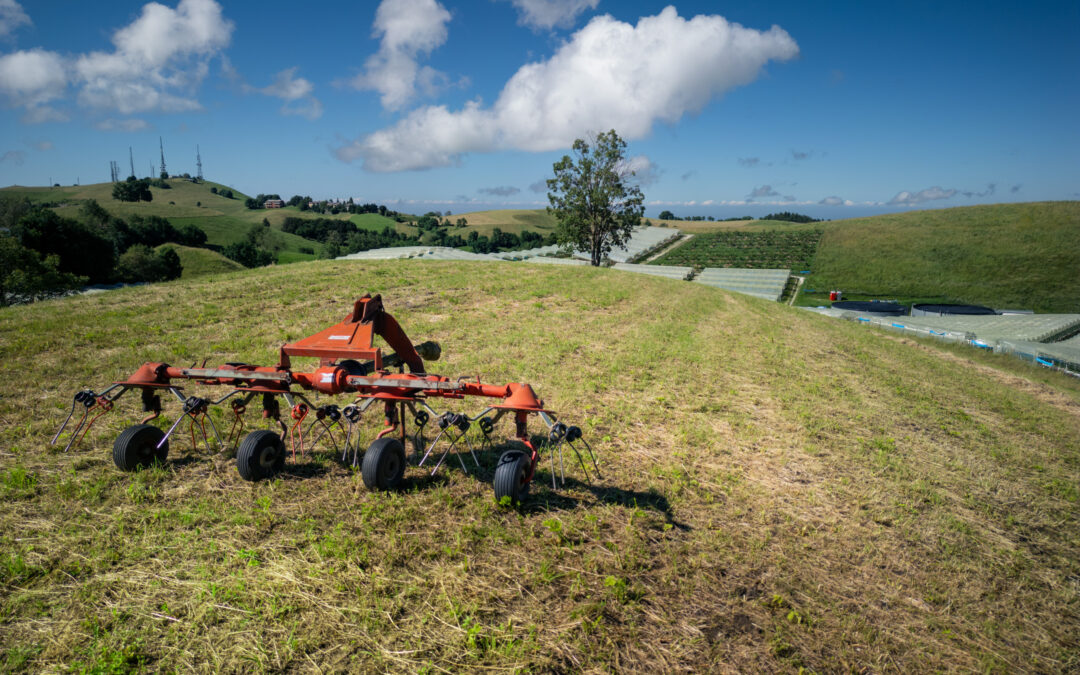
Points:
(409, 29)
(906, 198)
(547, 14)
(11, 17)
(157, 62)
(608, 75)
(32, 78)
(158, 59)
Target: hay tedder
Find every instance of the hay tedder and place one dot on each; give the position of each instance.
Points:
(349, 365)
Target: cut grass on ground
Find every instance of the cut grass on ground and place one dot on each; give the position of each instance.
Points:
(780, 491)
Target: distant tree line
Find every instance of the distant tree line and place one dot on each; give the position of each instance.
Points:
(789, 217)
(786, 216)
(43, 254)
(342, 236)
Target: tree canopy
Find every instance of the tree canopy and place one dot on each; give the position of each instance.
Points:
(133, 190)
(592, 198)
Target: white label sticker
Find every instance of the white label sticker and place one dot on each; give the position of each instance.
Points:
(339, 337)
(327, 377)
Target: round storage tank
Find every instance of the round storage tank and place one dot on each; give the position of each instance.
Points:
(872, 308)
(950, 310)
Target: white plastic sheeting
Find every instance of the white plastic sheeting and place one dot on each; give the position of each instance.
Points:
(768, 284)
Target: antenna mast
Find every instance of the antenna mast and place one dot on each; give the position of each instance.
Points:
(131, 158)
(198, 162)
(164, 173)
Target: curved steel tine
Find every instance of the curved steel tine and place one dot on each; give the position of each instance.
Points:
(329, 432)
(61, 429)
(213, 427)
(552, 454)
(469, 443)
(562, 465)
(202, 427)
(426, 454)
(348, 435)
(325, 429)
(75, 434)
(581, 462)
(171, 429)
(591, 456)
(445, 453)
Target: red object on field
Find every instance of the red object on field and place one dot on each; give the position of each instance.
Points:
(349, 363)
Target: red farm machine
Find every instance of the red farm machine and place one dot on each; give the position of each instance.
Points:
(349, 365)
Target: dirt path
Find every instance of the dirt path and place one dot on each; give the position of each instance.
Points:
(683, 237)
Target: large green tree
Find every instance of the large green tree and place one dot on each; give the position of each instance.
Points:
(593, 198)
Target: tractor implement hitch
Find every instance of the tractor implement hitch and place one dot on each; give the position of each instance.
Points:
(348, 364)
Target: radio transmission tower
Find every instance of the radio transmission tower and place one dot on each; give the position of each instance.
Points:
(198, 162)
(131, 158)
(164, 173)
(114, 171)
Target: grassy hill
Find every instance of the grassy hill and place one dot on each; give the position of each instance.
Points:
(780, 491)
(1003, 255)
(225, 221)
(198, 262)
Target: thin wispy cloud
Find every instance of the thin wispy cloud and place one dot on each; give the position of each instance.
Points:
(12, 16)
(906, 198)
(499, 191)
(130, 124)
(640, 170)
(991, 188)
(763, 191)
(835, 201)
(296, 92)
(16, 157)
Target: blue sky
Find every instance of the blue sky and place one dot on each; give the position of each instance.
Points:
(733, 108)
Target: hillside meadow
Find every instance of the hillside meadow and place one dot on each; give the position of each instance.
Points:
(780, 491)
(1002, 255)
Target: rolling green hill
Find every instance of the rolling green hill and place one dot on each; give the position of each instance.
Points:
(780, 491)
(1003, 255)
(225, 221)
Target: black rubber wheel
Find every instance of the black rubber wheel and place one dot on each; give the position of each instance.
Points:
(260, 455)
(384, 464)
(512, 476)
(136, 447)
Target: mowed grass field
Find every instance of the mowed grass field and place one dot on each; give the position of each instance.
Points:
(780, 491)
(514, 221)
